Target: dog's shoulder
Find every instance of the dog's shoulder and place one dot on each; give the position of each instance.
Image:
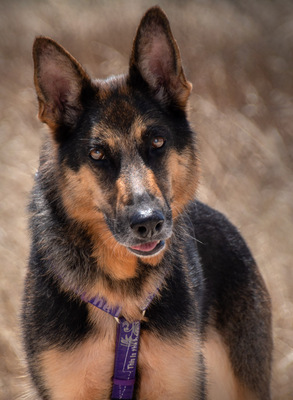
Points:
(231, 275)
(214, 232)
(234, 287)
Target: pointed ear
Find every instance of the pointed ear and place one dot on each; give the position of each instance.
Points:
(59, 81)
(155, 56)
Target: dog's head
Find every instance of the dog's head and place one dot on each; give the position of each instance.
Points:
(122, 149)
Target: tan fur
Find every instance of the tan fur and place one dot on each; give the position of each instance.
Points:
(122, 192)
(115, 258)
(168, 369)
(221, 381)
(106, 135)
(184, 181)
(152, 184)
(83, 373)
(138, 128)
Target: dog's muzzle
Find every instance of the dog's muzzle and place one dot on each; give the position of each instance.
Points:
(148, 229)
(143, 228)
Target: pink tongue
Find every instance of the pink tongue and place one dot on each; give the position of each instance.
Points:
(145, 247)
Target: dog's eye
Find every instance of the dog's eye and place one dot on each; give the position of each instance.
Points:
(158, 142)
(97, 154)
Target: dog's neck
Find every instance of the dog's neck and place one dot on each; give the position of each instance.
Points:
(127, 298)
(130, 304)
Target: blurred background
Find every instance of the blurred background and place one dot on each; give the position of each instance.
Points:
(239, 57)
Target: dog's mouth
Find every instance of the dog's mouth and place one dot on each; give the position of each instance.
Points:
(148, 249)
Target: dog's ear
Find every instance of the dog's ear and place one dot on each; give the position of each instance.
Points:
(59, 81)
(156, 58)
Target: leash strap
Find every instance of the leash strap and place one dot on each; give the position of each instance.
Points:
(127, 341)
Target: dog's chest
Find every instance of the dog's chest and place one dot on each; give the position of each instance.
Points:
(82, 373)
(168, 369)
(165, 369)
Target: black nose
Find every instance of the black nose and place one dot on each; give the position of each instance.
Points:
(147, 224)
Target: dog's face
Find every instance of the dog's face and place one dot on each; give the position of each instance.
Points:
(123, 149)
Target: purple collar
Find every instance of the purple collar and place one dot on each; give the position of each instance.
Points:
(127, 342)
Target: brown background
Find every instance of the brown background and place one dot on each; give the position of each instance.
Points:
(239, 57)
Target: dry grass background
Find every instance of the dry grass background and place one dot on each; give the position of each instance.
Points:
(239, 57)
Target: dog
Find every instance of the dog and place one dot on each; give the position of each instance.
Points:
(119, 240)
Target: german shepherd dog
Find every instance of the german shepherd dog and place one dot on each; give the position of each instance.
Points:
(114, 215)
